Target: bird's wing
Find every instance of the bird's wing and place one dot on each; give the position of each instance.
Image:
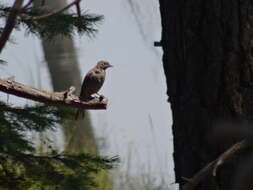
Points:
(92, 82)
(94, 76)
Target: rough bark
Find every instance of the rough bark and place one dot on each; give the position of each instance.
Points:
(208, 66)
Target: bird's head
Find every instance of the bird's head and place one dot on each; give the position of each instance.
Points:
(103, 65)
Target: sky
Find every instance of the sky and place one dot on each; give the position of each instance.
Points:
(137, 124)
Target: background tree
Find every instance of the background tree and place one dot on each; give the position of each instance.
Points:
(60, 56)
(208, 66)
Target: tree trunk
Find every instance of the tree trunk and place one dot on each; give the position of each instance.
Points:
(208, 66)
(62, 62)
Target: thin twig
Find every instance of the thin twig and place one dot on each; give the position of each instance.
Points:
(78, 9)
(53, 13)
(212, 167)
(10, 23)
(27, 4)
(66, 98)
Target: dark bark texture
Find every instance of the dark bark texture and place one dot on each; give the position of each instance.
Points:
(208, 63)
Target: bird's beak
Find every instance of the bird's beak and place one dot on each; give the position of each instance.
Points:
(110, 65)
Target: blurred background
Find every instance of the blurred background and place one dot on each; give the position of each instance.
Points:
(137, 124)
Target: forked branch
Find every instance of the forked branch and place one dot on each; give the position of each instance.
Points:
(213, 166)
(66, 98)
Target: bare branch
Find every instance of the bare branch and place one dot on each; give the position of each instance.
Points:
(213, 166)
(66, 98)
(10, 23)
(76, 2)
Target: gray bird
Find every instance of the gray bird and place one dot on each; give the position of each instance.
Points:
(92, 83)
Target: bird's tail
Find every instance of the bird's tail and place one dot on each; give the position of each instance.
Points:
(80, 113)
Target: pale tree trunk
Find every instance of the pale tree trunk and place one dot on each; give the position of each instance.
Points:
(62, 62)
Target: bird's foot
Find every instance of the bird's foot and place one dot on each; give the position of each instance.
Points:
(100, 96)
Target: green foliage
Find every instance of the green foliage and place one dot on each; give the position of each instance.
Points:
(61, 24)
(38, 117)
(62, 172)
(21, 168)
(15, 121)
(2, 62)
(64, 24)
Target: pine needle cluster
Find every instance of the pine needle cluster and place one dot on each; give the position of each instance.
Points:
(21, 168)
(65, 24)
